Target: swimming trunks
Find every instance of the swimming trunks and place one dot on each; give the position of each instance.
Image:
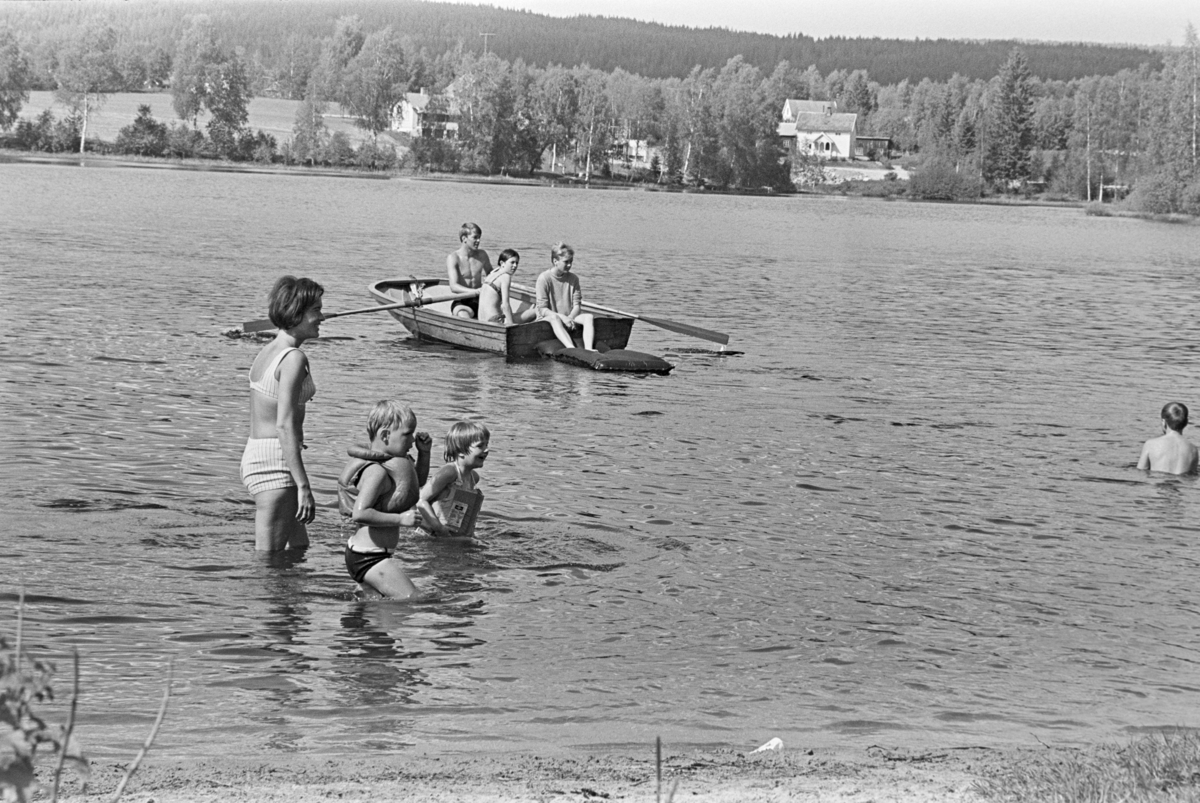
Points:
(470, 303)
(359, 563)
(263, 466)
(268, 384)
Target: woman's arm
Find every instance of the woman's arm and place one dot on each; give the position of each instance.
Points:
(289, 428)
(505, 305)
(372, 485)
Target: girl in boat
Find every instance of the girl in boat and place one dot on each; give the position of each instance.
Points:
(495, 305)
(281, 384)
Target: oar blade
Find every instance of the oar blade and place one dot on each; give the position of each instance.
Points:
(687, 329)
(250, 327)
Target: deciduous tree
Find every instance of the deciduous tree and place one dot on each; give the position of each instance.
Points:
(14, 78)
(87, 73)
(190, 81)
(374, 81)
(227, 99)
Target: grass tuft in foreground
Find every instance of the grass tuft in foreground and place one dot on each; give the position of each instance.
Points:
(1161, 767)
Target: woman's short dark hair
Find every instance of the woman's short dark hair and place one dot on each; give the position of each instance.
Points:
(290, 298)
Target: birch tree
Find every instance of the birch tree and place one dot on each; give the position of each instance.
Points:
(87, 73)
(374, 81)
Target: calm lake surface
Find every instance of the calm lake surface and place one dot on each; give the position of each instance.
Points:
(905, 513)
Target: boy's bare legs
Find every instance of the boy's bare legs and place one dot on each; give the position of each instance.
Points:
(389, 579)
(560, 329)
(588, 321)
(275, 525)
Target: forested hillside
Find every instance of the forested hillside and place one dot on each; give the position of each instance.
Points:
(270, 33)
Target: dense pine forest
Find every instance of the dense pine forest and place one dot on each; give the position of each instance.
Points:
(1070, 121)
(268, 33)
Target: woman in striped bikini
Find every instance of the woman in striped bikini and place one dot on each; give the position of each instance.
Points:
(280, 385)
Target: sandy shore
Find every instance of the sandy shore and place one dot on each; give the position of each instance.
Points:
(875, 774)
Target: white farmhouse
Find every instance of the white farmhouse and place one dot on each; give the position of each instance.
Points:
(413, 116)
(816, 128)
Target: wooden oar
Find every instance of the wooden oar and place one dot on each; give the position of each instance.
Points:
(671, 326)
(261, 326)
(661, 323)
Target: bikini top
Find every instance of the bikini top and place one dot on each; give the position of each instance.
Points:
(268, 385)
(490, 279)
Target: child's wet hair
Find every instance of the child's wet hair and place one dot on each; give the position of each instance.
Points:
(390, 415)
(560, 250)
(290, 298)
(460, 437)
(1176, 415)
(507, 254)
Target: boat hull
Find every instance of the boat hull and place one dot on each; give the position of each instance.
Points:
(433, 322)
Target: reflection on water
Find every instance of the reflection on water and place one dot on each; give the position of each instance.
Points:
(903, 505)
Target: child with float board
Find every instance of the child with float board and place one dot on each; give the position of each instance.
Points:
(450, 500)
(379, 489)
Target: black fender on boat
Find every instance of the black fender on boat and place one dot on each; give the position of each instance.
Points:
(605, 359)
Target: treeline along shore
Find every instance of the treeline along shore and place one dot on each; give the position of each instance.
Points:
(600, 98)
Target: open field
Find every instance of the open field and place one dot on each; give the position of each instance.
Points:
(272, 115)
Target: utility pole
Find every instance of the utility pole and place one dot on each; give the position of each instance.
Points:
(485, 41)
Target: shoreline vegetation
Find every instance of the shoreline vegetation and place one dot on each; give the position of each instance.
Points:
(1157, 767)
(851, 188)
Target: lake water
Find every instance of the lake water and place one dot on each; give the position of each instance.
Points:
(905, 513)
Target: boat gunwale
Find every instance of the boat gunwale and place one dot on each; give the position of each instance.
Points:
(513, 341)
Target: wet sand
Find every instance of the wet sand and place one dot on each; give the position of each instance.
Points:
(876, 773)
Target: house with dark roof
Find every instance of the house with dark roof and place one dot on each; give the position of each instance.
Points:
(421, 115)
(815, 128)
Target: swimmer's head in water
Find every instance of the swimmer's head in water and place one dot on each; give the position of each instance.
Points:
(1175, 415)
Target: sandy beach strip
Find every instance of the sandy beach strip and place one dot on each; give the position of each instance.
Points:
(873, 774)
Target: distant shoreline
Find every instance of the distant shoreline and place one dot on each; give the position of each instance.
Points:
(96, 160)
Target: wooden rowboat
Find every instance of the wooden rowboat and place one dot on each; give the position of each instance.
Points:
(432, 321)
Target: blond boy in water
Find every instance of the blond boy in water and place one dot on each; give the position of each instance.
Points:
(1170, 452)
(385, 500)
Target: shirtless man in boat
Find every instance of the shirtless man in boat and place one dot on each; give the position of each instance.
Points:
(466, 268)
(1170, 451)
